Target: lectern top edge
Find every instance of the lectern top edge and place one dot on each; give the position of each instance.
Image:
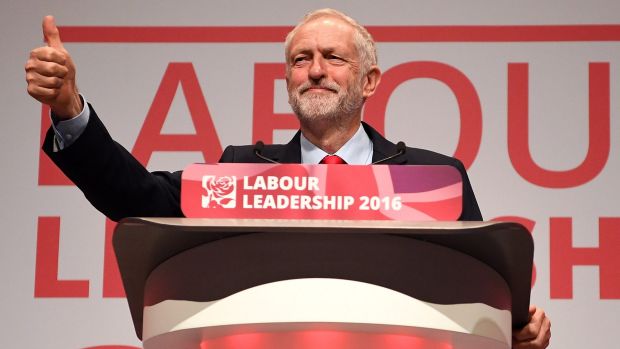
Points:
(312, 223)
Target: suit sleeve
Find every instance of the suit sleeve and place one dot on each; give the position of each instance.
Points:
(112, 179)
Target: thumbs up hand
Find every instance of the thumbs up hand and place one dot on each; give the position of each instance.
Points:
(50, 74)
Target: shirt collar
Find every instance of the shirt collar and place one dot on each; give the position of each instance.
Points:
(356, 151)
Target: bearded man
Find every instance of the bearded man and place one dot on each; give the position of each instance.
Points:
(331, 69)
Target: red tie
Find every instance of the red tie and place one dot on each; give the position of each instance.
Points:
(332, 160)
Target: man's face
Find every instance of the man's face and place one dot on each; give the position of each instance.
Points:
(323, 80)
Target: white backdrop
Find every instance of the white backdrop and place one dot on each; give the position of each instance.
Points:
(121, 80)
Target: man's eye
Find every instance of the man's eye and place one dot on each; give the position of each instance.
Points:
(300, 59)
(334, 58)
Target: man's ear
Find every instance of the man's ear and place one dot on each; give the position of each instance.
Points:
(371, 81)
(287, 78)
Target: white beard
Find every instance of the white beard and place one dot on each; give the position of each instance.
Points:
(309, 105)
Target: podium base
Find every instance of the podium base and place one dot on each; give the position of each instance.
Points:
(320, 335)
(291, 311)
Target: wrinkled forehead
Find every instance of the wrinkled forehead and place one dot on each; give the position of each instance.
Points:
(320, 27)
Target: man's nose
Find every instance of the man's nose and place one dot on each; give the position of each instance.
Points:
(317, 69)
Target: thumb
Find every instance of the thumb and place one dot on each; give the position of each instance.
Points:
(50, 32)
(532, 311)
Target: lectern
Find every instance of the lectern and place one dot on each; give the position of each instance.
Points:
(240, 283)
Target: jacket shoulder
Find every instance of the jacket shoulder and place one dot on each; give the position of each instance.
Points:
(418, 156)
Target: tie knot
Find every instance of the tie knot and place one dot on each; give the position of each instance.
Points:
(332, 160)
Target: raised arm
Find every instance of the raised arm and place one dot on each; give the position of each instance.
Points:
(108, 175)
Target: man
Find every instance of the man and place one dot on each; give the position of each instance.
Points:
(331, 69)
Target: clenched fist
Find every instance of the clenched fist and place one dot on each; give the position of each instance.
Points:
(50, 74)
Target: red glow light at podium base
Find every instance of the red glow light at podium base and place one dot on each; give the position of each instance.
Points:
(323, 339)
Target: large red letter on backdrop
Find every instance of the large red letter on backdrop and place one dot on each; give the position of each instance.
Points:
(265, 120)
(518, 132)
(464, 91)
(204, 140)
(564, 256)
(46, 283)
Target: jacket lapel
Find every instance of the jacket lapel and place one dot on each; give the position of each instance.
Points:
(290, 153)
(382, 148)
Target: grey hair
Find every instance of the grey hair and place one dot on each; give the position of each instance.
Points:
(363, 40)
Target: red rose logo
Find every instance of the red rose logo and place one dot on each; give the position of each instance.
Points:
(221, 192)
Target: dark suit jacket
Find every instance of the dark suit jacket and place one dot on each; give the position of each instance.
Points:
(119, 186)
